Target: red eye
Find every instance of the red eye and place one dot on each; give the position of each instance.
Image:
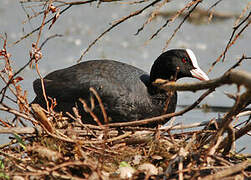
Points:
(184, 60)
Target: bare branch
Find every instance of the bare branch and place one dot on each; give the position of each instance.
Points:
(231, 77)
(231, 40)
(116, 24)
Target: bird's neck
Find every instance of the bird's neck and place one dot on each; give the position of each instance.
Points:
(154, 89)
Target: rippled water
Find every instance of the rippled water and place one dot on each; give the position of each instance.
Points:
(82, 24)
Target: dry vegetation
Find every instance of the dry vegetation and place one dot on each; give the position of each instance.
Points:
(52, 148)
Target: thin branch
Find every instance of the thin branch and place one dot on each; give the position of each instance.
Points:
(100, 104)
(214, 5)
(228, 171)
(116, 24)
(176, 15)
(165, 116)
(233, 76)
(182, 22)
(16, 112)
(51, 37)
(150, 18)
(36, 29)
(231, 42)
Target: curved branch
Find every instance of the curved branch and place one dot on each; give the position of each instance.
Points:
(165, 116)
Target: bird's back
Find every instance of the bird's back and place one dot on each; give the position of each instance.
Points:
(122, 88)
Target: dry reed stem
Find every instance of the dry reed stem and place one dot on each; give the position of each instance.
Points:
(100, 104)
(88, 110)
(42, 118)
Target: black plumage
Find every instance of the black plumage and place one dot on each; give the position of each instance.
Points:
(126, 91)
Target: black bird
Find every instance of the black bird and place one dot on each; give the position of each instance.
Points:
(126, 91)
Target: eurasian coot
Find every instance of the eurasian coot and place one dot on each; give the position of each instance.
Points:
(126, 91)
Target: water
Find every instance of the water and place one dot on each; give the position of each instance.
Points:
(82, 24)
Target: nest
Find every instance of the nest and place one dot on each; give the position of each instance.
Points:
(57, 149)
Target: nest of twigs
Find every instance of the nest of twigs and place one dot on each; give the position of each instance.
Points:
(57, 149)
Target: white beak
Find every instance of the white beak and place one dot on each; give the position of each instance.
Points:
(199, 74)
